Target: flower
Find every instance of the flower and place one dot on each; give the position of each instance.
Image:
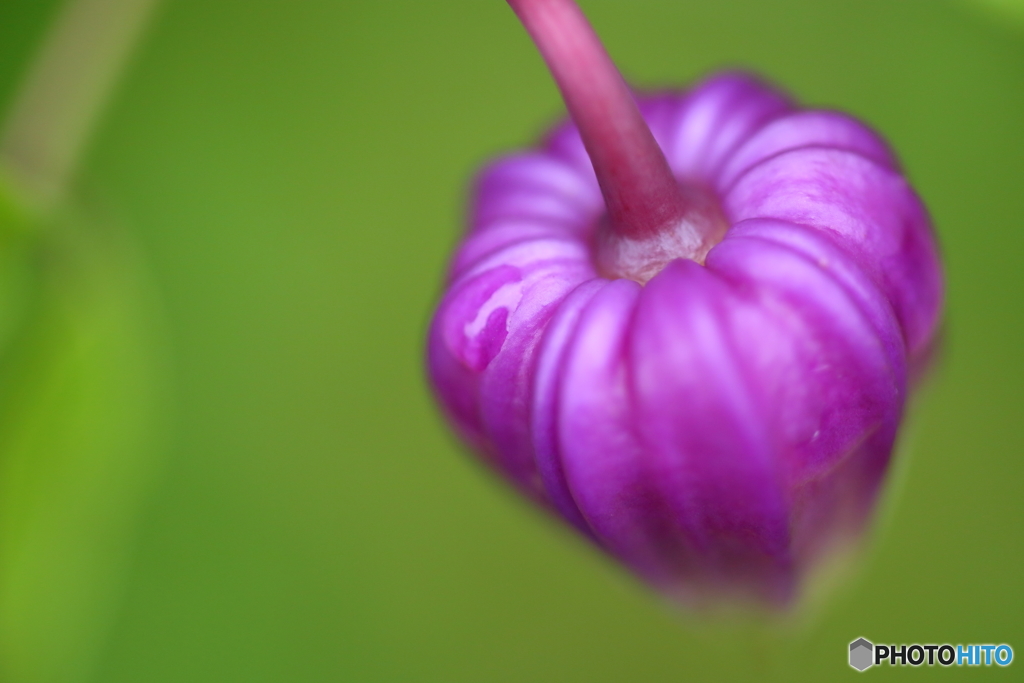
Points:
(685, 322)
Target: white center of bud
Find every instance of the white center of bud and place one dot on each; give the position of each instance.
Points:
(641, 258)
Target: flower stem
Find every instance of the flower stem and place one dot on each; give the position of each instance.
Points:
(640, 192)
(64, 93)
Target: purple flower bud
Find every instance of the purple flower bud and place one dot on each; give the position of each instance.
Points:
(685, 323)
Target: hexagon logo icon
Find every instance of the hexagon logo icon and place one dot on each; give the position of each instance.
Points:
(860, 654)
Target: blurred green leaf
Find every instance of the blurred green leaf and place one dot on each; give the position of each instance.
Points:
(80, 402)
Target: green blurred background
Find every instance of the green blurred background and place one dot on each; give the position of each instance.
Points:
(289, 178)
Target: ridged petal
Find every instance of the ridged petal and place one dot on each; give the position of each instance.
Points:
(870, 211)
(706, 441)
(804, 129)
(714, 119)
(535, 187)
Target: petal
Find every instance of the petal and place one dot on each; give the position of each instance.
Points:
(535, 186)
(806, 129)
(868, 209)
(830, 513)
(506, 383)
(715, 118)
(454, 358)
(818, 248)
(562, 252)
(551, 358)
(501, 235)
(605, 467)
(707, 440)
(488, 317)
(824, 374)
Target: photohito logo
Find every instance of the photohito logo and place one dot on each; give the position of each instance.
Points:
(865, 654)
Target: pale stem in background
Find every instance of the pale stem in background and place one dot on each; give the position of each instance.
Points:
(64, 93)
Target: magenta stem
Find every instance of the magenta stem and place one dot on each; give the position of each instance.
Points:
(640, 192)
